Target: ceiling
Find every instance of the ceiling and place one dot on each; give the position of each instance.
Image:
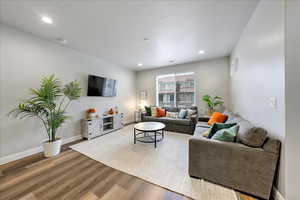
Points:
(115, 30)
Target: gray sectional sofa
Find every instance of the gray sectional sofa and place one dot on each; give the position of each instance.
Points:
(248, 165)
(186, 125)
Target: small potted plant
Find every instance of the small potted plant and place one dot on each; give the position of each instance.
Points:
(48, 104)
(212, 103)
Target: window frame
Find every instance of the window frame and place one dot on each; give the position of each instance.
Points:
(175, 93)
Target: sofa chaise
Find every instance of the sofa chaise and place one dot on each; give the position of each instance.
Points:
(235, 165)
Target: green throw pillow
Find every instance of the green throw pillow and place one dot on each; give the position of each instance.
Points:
(226, 134)
(218, 126)
(148, 110)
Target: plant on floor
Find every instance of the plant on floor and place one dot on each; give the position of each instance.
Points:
(212, 102)
(48, 104)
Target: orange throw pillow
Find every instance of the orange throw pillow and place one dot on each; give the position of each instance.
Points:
(161, 112)
(217, 118)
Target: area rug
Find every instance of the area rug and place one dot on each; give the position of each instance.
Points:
(166, 166)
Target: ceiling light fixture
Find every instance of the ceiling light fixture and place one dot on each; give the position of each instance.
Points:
(171, 61)
(140, 64)
(47, 20)
(201, 52)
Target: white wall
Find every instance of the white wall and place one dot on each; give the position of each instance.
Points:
(25, 59)
(292, 88)
(260, 73)
(211, 76)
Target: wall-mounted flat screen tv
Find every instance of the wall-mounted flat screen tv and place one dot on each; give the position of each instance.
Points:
(101, 86)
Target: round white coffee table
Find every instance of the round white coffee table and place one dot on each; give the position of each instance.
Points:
(149, 132)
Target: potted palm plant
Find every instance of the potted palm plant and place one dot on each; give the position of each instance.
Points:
(48, 104)
(212, 103)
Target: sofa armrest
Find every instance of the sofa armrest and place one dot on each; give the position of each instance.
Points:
(194, 119)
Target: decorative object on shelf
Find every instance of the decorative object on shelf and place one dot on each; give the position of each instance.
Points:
(91, 113)
(110, 111)
(48, 104)
(116, 110)
(212, 103)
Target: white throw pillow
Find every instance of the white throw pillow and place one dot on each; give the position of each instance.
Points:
(190, 112)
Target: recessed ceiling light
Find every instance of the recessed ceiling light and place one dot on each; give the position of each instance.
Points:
(201, 52)
(47, 20)
(171, 61)
(140, 64)
(146, 39)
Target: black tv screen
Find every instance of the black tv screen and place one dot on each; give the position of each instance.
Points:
(100, 86)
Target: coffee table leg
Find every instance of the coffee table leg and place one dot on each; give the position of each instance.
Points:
(134, 136)
(163, 134)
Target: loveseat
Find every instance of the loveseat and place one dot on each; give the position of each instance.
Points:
(235, 164)
(186, 125)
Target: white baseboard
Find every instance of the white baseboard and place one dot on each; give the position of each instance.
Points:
(276, 194)
(29, 152)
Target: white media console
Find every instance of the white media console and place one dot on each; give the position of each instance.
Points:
(95, 127)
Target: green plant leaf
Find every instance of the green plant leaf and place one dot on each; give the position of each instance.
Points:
(43, 104)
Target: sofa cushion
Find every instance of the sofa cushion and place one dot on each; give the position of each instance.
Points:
(171, 114)
(148, 110)
(171, 109)
(186, 122)
(167, 120)
(190, 112)
(233, 118)
(199, 131)
(182, 113)
(255, 137)
(161, 112)
(217, 118)
(153, 111)
(245, 127)
(226, 134)
(218, 126)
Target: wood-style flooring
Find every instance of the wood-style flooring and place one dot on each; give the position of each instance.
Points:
(74, 176)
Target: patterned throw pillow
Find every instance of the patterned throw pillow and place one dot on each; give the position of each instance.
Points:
(182, 113)
(218, 126)
(153, 111)
(172, 114)
(226, 134)
(217, 118)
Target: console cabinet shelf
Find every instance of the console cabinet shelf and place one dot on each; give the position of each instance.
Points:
(95, 127)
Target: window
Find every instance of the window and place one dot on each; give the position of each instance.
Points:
(175, 90)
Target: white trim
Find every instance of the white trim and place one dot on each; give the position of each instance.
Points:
(29, 152)
(276, 194)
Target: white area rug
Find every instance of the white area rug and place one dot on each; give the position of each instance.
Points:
(166, 166)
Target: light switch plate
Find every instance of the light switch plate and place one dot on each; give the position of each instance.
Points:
(273, 103)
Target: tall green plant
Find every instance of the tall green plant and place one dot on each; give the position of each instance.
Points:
(49, 103)
(212, 102)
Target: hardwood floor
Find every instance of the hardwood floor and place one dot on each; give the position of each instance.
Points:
(73, 176)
